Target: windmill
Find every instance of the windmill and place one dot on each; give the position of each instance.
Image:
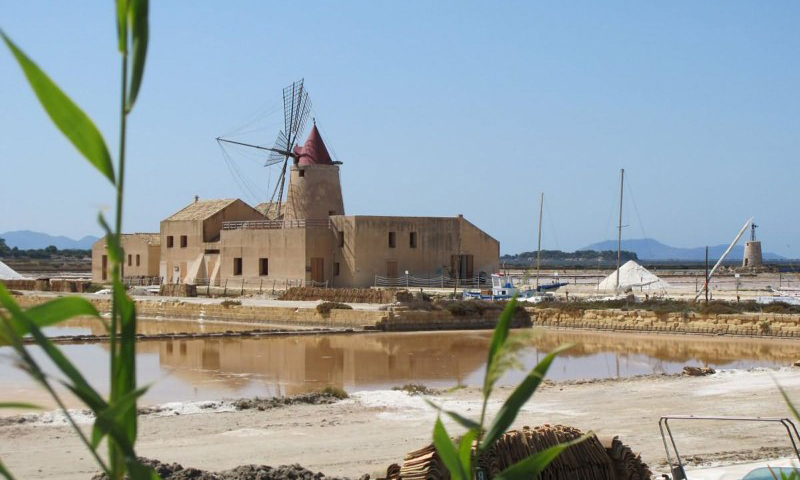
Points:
(296, 109)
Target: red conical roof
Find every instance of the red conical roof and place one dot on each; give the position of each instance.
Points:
(314, 151)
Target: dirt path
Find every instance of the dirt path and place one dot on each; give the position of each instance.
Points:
(373, 429)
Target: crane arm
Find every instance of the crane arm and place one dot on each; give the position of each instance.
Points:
(725, 255)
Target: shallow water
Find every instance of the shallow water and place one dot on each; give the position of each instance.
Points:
(214, 368)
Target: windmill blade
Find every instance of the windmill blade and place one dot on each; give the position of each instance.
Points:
(277, 155)
(296, 109)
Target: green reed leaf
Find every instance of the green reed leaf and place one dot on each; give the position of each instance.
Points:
(532, 466)
(122, 25)
(138, 471)
(113, 247)
(138, 13)
(508, 412)
(447, 452)
(71, 120)
(125, 375)
(20, 405)
(5, 473)
(465, 451)
(112, 418)
(50, 313)
(461, 420)
(498, 339)
(29, 323)
(788, 401)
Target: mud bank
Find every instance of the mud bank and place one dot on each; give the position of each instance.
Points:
(370, 430)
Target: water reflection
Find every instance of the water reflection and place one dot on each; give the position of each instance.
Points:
(210, 368)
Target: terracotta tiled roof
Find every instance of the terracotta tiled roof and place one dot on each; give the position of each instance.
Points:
(314, 151)
(152, 238)
(201, 209)
(269, 209)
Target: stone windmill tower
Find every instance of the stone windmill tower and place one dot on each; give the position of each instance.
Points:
(315, 190)
(752, 250)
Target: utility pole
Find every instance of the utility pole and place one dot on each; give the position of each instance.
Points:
(619, 227)
(706, 283)
(539, 247)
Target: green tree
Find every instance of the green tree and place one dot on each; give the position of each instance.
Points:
(4, 250)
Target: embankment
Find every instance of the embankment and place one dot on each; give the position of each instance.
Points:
(746, 324)
(402, 319)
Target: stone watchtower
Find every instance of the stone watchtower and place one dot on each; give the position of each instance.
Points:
(315, 190)
(752, 250)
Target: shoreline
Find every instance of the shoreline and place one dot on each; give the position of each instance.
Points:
(371, 317)
(371, 429)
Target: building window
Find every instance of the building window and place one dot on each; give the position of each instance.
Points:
(412, 239)
(237, 266)
(184, 241)
(130, 259)
(170, 241)
(336, 269)
(341, 239)
(263, 266)
(137, 259)
(302, 173)
(392, 240)
(331, 212)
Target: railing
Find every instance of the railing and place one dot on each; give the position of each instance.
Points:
(275, 224)
(441, 281)
(141, 281)
(234, 285)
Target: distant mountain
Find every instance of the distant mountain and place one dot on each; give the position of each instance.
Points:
(651, 249)
(26, 240)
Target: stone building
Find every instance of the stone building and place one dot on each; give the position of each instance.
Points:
(308, 238)
(142, 255)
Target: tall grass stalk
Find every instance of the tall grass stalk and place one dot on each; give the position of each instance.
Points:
(116, 417)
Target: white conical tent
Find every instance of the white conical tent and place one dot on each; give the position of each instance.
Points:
(633, 276)
(8, 273)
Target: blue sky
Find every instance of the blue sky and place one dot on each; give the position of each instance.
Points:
(435, 108)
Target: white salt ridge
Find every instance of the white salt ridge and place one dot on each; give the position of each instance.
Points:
(404, 407)
(56, 418)
(734, 380)
(8, 273)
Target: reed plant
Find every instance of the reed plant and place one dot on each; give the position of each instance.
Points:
(115, 415)
(460, 457)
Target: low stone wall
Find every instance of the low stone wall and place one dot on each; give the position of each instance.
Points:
(177, 290)
(49, 285)
(400, 319)
(340, 295)
(749, 324)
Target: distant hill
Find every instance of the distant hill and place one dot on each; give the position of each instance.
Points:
(26, 240)
(651, 249)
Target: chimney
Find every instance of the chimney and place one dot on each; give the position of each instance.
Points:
(196, 198)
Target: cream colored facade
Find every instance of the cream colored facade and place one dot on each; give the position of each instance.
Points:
(190, 239)
(142, 252)
(309, 239)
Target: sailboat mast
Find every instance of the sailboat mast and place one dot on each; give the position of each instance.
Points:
(539, 247)
(619, 225)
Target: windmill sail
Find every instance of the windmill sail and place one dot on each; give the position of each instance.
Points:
(296, 110)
